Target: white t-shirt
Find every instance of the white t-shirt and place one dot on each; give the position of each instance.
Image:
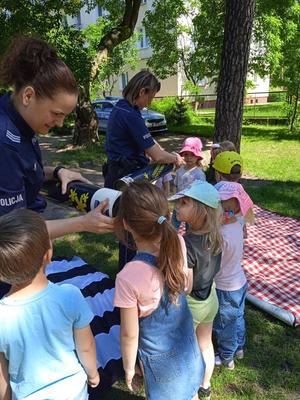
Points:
(166, 178)
(185, 177)
(231, 275)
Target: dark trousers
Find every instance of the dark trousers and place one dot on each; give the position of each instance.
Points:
(112, 171)
(125, 255)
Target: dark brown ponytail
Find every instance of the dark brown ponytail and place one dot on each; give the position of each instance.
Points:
(141, 205)
(31, 61)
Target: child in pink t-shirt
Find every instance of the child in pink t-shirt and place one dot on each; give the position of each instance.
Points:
(156, 324)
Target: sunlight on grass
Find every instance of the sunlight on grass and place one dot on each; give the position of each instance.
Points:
(79, 155)
(271, 159)
(271, 367)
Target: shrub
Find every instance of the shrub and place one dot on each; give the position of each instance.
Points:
(276, 97)
(176, 110)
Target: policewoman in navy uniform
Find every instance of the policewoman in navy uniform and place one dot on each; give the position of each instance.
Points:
(44, 93)
(129, 144)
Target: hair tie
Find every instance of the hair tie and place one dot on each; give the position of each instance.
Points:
(161, 219)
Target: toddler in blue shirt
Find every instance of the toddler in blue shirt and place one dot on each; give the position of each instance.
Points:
(47, 350)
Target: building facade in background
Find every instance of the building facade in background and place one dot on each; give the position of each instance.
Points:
(172, 86)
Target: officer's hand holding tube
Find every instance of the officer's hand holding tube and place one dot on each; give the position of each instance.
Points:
(66, 176)
(96, 221)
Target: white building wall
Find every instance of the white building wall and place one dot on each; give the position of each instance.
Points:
(172, 86)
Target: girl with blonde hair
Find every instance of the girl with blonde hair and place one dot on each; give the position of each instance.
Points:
(199, 206)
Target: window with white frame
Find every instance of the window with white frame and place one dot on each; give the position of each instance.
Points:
(78, 20)
(102, 12)
(143, 42)
(65, 21)
(123, 80)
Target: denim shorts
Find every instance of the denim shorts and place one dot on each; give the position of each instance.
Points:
(204, 311)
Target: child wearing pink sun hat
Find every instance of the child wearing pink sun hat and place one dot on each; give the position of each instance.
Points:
(191, 151)
(192, 145)
(192, 171)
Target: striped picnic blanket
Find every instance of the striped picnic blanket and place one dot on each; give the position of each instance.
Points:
(98, 289)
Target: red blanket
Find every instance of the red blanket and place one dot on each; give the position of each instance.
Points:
(272, 260)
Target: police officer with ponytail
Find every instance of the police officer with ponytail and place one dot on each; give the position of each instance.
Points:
(44, 92)
(129, 144)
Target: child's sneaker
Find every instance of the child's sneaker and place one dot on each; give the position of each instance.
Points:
(230, 365)
(240, 354)
(218, 361)
(204, 394)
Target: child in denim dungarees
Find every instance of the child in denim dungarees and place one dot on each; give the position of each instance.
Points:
(231, 282)
(156, 324)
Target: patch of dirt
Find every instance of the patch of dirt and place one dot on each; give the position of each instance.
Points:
(51, 145)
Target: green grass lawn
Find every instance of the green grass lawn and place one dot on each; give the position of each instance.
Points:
(271, 367)
(271, 154)
(275, 110)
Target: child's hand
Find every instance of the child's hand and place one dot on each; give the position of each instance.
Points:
(94, 380)
(179, 160)
(134, 379)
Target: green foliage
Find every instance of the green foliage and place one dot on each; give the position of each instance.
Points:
(33, 17)
(171, 37)
(76, 47)
(280, 96)
(201, 22)
(122, 57)
(288, 73)
(177, 110)
(70, 45)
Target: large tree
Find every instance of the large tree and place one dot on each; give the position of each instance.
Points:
(45, 19)
(198, 27)
(124, 19)
(233, 70)
(287, 73)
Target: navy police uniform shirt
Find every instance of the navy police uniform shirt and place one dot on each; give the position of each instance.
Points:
(21, 167)
(127, 134)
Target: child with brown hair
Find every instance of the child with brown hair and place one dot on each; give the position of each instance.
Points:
(199, 206)
(217, 148)
(231, 282)
(156, 324)
(47, 349)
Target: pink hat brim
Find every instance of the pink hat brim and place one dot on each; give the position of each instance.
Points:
(227, 190)
(195, 152)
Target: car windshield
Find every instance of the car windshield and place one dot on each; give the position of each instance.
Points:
(103, 105)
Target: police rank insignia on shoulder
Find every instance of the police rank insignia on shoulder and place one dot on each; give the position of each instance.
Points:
(12, 137)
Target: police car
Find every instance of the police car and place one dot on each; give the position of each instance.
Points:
(155, 122)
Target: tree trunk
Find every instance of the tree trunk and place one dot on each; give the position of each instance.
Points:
(233, 70)
(86, 124)
(295, 110)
